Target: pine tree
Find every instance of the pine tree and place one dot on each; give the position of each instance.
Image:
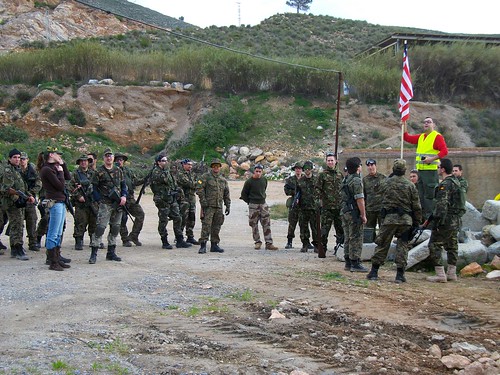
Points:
(299, 4)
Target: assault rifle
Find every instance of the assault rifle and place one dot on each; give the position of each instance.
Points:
(339, 244)
(420, 229)
(23, 198)
(67, 202)
(147, 181)
(296, 198)
(89, 200)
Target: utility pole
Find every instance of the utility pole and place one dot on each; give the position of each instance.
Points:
(239, 13)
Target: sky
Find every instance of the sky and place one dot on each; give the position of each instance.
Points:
(476, 17)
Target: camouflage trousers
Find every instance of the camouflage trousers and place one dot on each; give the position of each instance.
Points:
(212, 221)
(373, 219)
(330, 216)
(84, 220)
(168, 211)
(30, 218)
(43, 223)
(15, 216)
(137, 213)
(383, 241)
(3, 219)
(107, 215)
(353, 237)
(293, 219)
(260, 213)
(307, 220)
(188, 214)
(445, 237)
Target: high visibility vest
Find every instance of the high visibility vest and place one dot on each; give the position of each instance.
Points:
(425, 149)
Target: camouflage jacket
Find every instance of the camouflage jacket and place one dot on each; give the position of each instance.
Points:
(290, 187)
(10, 177)
(399, 200)
(163, 185)
(131, 180)
(352, 189)
(464, 183)
(372, 189)
(307, 187)
(109, 184)
(83, 178)
(32, 179)
(187, 181)
(328, 186)
(213, 190)
(447, 200)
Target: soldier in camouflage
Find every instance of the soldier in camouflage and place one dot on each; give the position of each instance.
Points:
(11, 184)
(458, 172)
(34, 184)
(187, 181)
(308, 205)
(213, 191)
(353, 215)
(449, 207)
(328, 190)
(293, 209)
(86, 209)
(372, 189)
(166, 197)
(134, 209)
(110, 189)
(401, 211)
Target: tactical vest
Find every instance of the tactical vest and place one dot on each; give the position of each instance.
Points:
(458, 199)
(425, 149)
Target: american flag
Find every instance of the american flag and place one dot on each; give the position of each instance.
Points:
(406, 88)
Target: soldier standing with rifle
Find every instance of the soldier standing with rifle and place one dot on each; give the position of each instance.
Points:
(307, 209)
(293, 209)
(401, 212)
(86, 209)
(34, 185)
(187, 181)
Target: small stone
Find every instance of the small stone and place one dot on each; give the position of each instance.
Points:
(455, 361)
(435, 351)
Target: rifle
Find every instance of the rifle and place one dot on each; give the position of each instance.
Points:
(296, 198)
(319, 242)
(89, 200)
(67, 202)
(420, 229)
(339, 244)
(23, 198)
(115, 198)
(145, 184)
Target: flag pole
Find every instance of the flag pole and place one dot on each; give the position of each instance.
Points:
(406, 93)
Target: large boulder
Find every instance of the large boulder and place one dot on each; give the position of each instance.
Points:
(418, 254)
(366, 253)
(491, 211)
(495, 232)
(473, 219)
(473, 251)
(493, 250)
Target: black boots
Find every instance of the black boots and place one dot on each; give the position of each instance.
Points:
(400, 276)
(165, 244)
(53, 256)
(214, 248)
(18, 252)
(356, 266)
(192, 240)
(347, 265)
(373, 275)
(93, 255)
(78, 243)
(180, 243)
(111, 254)
(305, 247)
(289, 244)
(203, 247)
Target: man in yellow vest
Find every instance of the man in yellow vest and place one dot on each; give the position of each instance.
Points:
(431, 147)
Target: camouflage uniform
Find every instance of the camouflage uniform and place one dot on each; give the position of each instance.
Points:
(328, 191)
(34, 184)
(293, 211)
(307, 210)
(85, 212)
(187, 181)
(165, 190)
(446, 221)
(352, 189)
(11, 178)
(463, 183)
(213, 191)
(372, 189)
(105, 181)
(401, 206)
(133, 208)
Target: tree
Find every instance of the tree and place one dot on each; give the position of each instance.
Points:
(299, 4)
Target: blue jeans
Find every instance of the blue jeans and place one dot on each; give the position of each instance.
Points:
(57, 218)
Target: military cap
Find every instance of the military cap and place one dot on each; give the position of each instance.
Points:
(13, 152)
(297, 165)
(24, 155)
(108, 151)
(308, 165)
(51, 149)
(215, 161)
(94, 155)
(82, 157)
(258, 166)
(119, 155)
(371, 161)
(399, 164)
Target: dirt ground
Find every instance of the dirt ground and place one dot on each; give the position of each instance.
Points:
(179, 312)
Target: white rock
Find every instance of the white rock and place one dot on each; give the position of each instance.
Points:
(245, 151)
(275, 314)
(473, 219)
(493, 275)
(455, 361)
(491, 209)
(435, 351)
(495, 232)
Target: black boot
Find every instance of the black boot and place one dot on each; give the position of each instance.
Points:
(214, 248)
(48, 257)
(111, 254)
(21, 253)
(192, 240)
(55, 265)
(289, 244)
(373, 275)
(63, 259)
(57, 250)
(400, 276)
(347, 265)
(203, 247)
(305, 247)
(93, 255)
(39, 242)
(180, 243)
(78, 243)
(165, 244)
(356, 266)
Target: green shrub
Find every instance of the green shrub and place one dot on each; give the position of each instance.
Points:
(76, 116)
(57, 115)
(13, 134)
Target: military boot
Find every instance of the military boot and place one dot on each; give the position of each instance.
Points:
(55, 265)
(136, 241)
(214, 248)
(127, 243)
(203, 247)
(39, 241)
(347, 265)
(21, 253)
(181, 244)
(32, 246)
(47, 257)
(440, 275)
(451, 273)
(93, 255)
(305, 246)
(78, 243)
(192, 240)
(63, 259)
(165, 244)
(356, 266)
(400, 276)
(289, 244)
(111, 254)
(373, 275)
(57, 250)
